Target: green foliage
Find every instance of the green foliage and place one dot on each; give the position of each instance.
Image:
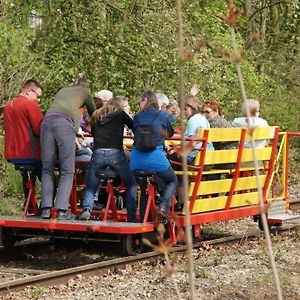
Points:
(200, 272)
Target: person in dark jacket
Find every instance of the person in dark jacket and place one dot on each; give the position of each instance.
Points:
(58, 133)
(107, 125)
(22, 123)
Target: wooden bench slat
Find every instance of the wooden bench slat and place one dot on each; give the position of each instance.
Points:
(223, 185)
(212, 204)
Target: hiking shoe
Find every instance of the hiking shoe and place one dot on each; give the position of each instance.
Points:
(86, 215)
(63, 215)
(163, 216)
(46, 213)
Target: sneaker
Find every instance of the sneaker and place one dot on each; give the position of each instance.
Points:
(85, 215)
(46, 213)
(63, 215)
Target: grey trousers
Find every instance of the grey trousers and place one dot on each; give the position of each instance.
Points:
(58, 142)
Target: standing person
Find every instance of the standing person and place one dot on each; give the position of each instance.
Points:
(58, 133)
(22, 122)
(107, 129)
(154, 160)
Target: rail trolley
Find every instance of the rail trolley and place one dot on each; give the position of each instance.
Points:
(215, 195)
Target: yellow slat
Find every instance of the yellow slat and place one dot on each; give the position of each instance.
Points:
(212, 204)
(223, 134)
(230, 156)
(262, 133)
(223, 185)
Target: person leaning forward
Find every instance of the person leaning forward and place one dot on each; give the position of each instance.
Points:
(22, 122)
(58, 132)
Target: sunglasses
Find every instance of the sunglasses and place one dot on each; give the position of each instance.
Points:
(207, 111)
(37, 94)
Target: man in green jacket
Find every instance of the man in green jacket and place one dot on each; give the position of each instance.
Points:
(58, 134)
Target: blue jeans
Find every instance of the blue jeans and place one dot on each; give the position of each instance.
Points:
(116, 160)
(169, 179)
(57, 133)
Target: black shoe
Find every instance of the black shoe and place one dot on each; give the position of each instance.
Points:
(46, 213)
(178, 206)
(63, 215)
(97, 206)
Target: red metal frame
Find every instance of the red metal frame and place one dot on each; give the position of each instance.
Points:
(237, 169)
(31, 198)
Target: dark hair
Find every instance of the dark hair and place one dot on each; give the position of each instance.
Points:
(98, 102)
(30, 83)
(81, 81)
(151, 100)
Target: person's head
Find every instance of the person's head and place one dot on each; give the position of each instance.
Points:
(114, 104)
(126, 106)
(173, 108)
(98, 102)
(253, 107)
(191, 106)
(81, 81)
(148, 100)
(163, 100)
(32, 90)
(211, 109)
(104, 95)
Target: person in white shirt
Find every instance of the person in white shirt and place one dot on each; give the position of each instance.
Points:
(255, 121)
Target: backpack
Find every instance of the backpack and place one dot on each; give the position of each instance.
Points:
(144, 137)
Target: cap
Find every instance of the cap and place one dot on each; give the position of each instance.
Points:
(105, 95)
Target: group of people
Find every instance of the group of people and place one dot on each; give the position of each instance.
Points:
(106, 117)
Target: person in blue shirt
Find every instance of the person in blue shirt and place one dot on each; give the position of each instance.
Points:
(154, 160)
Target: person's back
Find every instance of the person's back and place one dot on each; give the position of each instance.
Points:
(154, 160)
(69, 100)
(254, 119)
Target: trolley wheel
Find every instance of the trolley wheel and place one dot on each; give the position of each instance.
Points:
(132, 244)
(7, 237)
(273, 227)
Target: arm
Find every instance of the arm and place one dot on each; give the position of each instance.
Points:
(35, 117)
(127, 120)
(89, 103)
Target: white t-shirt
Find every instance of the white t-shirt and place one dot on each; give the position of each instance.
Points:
(254, 122)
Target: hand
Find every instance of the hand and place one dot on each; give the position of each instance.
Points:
(195, 90)
(80, 132)
(77, 144)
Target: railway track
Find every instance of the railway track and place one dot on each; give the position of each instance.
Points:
(52, 277)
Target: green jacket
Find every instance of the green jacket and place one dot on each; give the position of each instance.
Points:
(69, 100)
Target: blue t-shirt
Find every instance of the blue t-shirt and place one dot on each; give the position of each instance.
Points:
(195, 123)
(153, 160)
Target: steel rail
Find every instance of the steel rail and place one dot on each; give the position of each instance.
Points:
(52, 275)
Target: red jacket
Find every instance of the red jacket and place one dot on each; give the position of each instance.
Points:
(22, 124)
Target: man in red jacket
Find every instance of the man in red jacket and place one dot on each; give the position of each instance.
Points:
(22, 122)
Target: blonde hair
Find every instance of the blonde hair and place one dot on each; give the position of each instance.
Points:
(114, 104)
(253, 107)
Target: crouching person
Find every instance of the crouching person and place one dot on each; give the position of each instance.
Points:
(107, 127)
